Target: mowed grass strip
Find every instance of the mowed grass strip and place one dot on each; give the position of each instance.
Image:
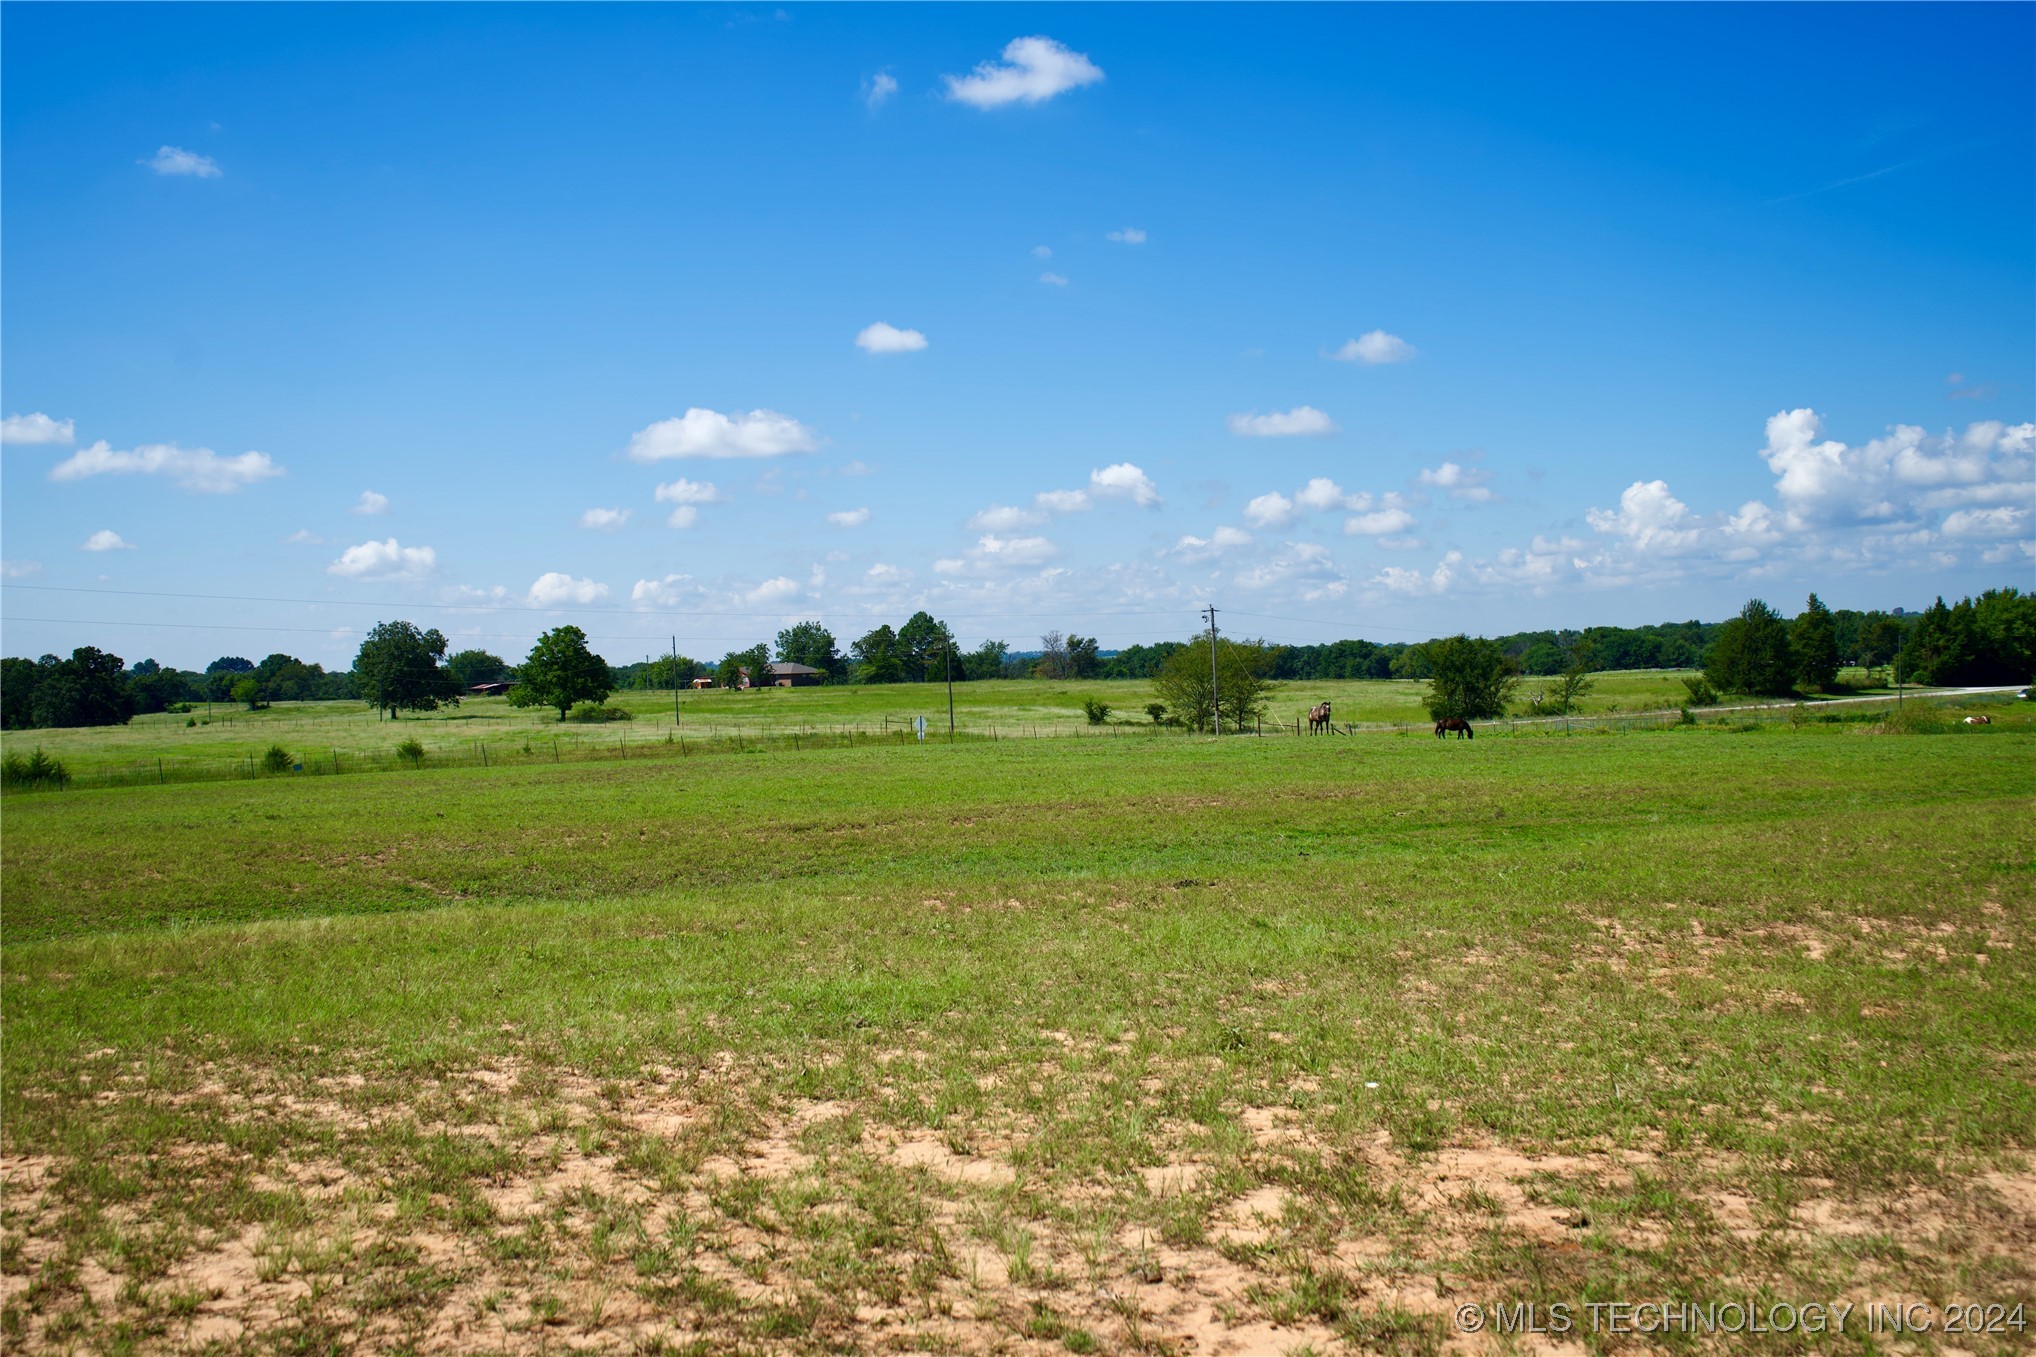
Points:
(1035, 1047)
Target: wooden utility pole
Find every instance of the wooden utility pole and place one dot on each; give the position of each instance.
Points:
(1215, 696)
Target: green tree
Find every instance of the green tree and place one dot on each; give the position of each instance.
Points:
(1084, 657)
(560, 671)
(1244, 683)
(986, 661)
(812, 645)
(1053, 658)
(1469, 677)
(876, 657)
(1574, 683)
(1411, 663)
(754, 664)
(88, 689)
(1751, 654)
(470, 667)
(249, 691)
(922, 643)
(1813, 644)
(397, 669)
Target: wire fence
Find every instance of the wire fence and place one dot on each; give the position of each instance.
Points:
(709, 739)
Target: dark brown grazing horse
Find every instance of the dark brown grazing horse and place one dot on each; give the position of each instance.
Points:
(1318, 717)
(1457, 724)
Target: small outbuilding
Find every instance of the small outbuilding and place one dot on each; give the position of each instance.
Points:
(499, 689)
(791, 676)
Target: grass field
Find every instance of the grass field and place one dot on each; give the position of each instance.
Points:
(348, 736)
(1032, 1046)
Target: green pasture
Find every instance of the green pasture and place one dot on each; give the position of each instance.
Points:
(217, 741)
(1027, 1045)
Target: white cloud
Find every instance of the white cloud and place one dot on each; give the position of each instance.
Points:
(384, 560)
(879, 88)
(1053, 279)
(1322, 493)
(304, 537)
(1125, 481)
(1374, 346)
(1005, 518)
(857, 468)
(19, 570)
(1302, 419)
(105, 540)
(175, 160)
(882, 338)
(1897, 476)
(687, 495)
(1398, 580)
(709, 433)
(371, 503)
(193, 468)
(1270, 510)
(1225, 538)
(1062, 501)
(1306, 568)
(779, 589)
(995, 552)
(1460, 482)
(1650, 518)
(1379, 523)
(36, 428)
(2002, 521)
(1042, 251)
(555, 588)
(669, 592)
(849, 518)
(1130, 235)
(604, 520)
(1033, 70)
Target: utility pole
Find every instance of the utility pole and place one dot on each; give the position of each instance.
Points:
(950, 688)
(1898, 671)
(675, 680)
(1215, 696)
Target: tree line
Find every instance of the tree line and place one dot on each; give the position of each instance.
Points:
(400, 667)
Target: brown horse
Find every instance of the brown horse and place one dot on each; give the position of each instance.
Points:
(1457, 724)
(1318, 717)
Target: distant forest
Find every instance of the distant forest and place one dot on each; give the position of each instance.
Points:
(1988, 639)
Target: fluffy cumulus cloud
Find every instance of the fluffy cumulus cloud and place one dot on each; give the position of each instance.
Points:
(849, 518)
(199, 469)
(1417, 584)
(687, 496)
(384, 560)
(36, 428)
(882, 338)
(1270, 510)
(1383, 522)
(371, 502)
(1374, 346)
(672, 591)
(1649, 517)
(175, 161)
(1224, 539)
(1468, 484)
(1907, 472)
(1299, 421)
(1033, 70)
(709, 433)
(105, 540)
(1130, 235)
(604, 520)
(996, 552)
(1007, 518)
(555, 589)
(1124, 481)
(878, 89)
(1062, 501)
(1322, 493)
(772, 592)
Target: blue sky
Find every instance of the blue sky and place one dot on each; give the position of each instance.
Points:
(1377, 322)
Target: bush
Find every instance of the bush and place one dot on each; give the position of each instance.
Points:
(277, 760)
(1096, 710)
(599, 711)
(1702, 694)
(1157, 711)
(410, 752)
(190, 721)
(36, 771)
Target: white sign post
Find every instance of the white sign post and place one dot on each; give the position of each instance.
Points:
(919, 725)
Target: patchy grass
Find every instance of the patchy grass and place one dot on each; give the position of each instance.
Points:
(1035, 1047)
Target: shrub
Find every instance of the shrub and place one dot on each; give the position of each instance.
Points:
(38, 770)
(190, 721)
(600, 711)
(1157, 711)
(1097, 710)
(1688, 719)
(410, 752)
(277, 760)
(1702, 694)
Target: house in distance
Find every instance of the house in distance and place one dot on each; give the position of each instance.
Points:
(784, 675)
